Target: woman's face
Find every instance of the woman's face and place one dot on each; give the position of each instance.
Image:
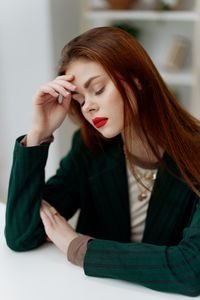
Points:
(100, 102)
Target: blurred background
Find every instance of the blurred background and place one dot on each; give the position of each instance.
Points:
(32, 34)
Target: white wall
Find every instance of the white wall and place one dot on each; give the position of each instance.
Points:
(32, 34)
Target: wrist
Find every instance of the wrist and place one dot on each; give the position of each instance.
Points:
(35, 139)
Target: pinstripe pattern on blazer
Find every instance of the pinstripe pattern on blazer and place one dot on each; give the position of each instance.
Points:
(167, 259)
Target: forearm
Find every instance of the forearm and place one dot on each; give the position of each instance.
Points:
(173, 269)
(160, 268)
(24, 229)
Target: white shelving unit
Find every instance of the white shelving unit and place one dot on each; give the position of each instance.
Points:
(157, 30)
(141, 15)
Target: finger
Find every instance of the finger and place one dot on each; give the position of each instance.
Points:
(59, 89)
(46, 220)
(49, 90)
(65, 102)
(49, 211)
(66, 84)
(66, 77)
(45, 203)
(60, 99)
(48, 207)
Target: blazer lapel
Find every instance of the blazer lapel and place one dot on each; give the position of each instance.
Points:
(170, 207)
(109, 184)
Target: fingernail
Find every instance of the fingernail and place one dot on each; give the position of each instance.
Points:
(43, 203)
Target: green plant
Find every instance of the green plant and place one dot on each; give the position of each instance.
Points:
(133, 30)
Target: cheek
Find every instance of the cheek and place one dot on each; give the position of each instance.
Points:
(120, 111)
(118, 103)
(113, 97)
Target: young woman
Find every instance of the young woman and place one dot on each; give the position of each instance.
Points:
(133, 169)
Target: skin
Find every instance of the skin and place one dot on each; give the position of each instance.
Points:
(57, 229)
(87, 83)
(47, 113)
(99, 98)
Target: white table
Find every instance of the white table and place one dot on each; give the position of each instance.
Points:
(44, 273)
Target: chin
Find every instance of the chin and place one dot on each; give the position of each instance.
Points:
(110, 134)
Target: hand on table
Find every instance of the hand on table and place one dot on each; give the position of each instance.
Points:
(56, 227)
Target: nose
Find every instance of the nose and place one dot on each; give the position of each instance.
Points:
(90, 106)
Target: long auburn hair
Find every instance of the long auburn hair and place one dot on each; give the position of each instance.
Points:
(159, 116)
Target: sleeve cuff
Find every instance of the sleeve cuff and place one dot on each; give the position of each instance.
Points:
(47, 140)
(77, 249)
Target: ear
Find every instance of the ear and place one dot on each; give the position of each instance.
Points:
(138, 83)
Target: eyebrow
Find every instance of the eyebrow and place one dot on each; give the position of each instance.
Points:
(87, 83)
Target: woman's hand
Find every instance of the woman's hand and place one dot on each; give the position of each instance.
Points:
(56, 227)
(48, 111)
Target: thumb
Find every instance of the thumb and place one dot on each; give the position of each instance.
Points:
(66, 102)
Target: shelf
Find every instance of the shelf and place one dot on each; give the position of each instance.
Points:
(186, 16)
(158, 28)
(179, 78)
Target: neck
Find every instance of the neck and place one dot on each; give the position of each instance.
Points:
(144, 164)
(141, 154)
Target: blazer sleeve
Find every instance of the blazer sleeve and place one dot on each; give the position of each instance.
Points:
(24, 229)
(164, 268)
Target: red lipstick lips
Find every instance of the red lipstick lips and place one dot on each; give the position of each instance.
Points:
(99, 121)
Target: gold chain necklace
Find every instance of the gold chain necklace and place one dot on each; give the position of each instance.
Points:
(145, 180)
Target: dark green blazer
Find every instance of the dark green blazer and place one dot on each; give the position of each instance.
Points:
(168, 259)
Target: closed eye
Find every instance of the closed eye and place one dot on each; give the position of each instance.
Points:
(99, 92)
(80, 99)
